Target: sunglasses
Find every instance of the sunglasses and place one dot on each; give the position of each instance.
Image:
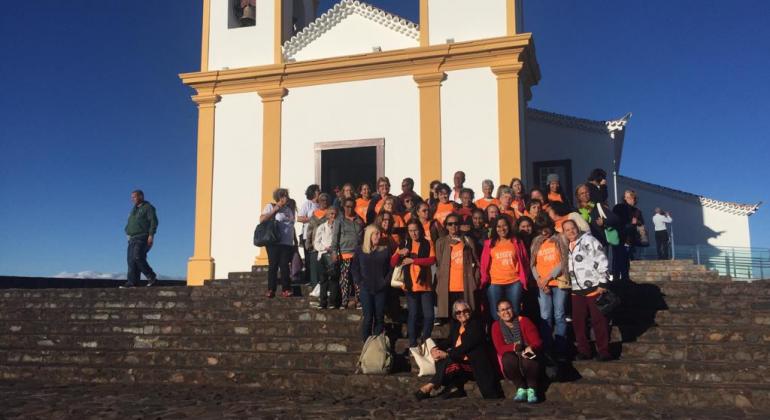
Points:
(506, 309)
(452, 224)
(463, 312)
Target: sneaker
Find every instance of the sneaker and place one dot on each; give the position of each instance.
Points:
(531, 396)
(270, 294)
(152, 282)
(287, 293)
(126, 285)
(521, 395)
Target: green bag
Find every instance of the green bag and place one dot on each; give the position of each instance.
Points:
(612, 236)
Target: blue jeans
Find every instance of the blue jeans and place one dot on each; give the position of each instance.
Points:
(512, 292)
(137, 260)
(373, 306)
(552, 313)
(414, 302)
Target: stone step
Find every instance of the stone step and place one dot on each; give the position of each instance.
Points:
(182, 314)
(223, 343)
(177, 358)
(668, 263)
(698, 352)
(751, 399)
(667, 372)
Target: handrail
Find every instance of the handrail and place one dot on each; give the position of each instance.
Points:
(736, 262)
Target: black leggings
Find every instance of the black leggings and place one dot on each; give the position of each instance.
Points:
(525, 373)
(278, 257)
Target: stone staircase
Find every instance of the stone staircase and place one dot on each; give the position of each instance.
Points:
(685, 338)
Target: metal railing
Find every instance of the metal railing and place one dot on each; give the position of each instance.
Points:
(736, 262)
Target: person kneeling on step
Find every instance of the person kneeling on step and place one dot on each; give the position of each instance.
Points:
(517, 343)
(466, 359)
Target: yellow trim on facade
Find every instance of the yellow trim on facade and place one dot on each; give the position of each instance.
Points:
(510, 104)
(272, 101)
(278, 33)
(429, 85)
(424, 24)
(404, 62)
(205, 29)
(511, 18)
(200, 266)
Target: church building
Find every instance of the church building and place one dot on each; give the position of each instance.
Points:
(288, 98)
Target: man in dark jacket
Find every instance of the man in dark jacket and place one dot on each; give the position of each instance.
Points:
(629, 218)
(140, 229)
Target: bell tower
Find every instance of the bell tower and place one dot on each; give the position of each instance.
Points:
(448, 21)
(248, 33)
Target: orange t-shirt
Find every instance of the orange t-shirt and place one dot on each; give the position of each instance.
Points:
(548, 258)
(378, 206)
(415, 269)
(443, 210)
(504, 268)
(459, 341)
(456, 283)
(483, 203)
(558, 222)
(426, 230)
(554, 197)
(407, 216)
(361, 207)
(319, 213)
(398, 221)
(510, 212)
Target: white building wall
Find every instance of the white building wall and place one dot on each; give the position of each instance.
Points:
(469, 125)
(381, 108)
(586, 149)
(732, 230)
(240, 46)
(693, 223)
(466, 20)
(237, 181)
(354, 35)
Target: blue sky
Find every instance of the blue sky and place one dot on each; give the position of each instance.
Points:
(92, 108)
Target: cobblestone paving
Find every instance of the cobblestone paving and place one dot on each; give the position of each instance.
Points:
(136, 401)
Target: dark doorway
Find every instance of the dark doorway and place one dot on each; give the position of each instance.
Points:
(355, 165)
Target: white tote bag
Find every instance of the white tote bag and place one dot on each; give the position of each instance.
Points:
(422, 357)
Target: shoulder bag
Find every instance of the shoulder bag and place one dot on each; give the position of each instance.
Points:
(423, 358)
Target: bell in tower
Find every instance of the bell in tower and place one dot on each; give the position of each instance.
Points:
(246, 10)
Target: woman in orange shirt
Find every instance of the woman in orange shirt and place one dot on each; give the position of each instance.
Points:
(389, 205)
(444, 206)
(537, 194)
(417, 256)
(519, 195)
(550, 258)
(384, 221)
(504, 266)
(362, 202)
(554, 190)
(429, 226)
(534, 207)
(487, 187)
(506, 203)
(457, 269)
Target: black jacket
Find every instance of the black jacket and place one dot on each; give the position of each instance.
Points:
(477, 348)
(625, 213)
(370, 271)
(612, 221)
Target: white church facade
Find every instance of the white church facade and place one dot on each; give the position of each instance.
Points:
(287, 99)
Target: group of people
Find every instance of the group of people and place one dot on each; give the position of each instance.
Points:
(474, 261)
